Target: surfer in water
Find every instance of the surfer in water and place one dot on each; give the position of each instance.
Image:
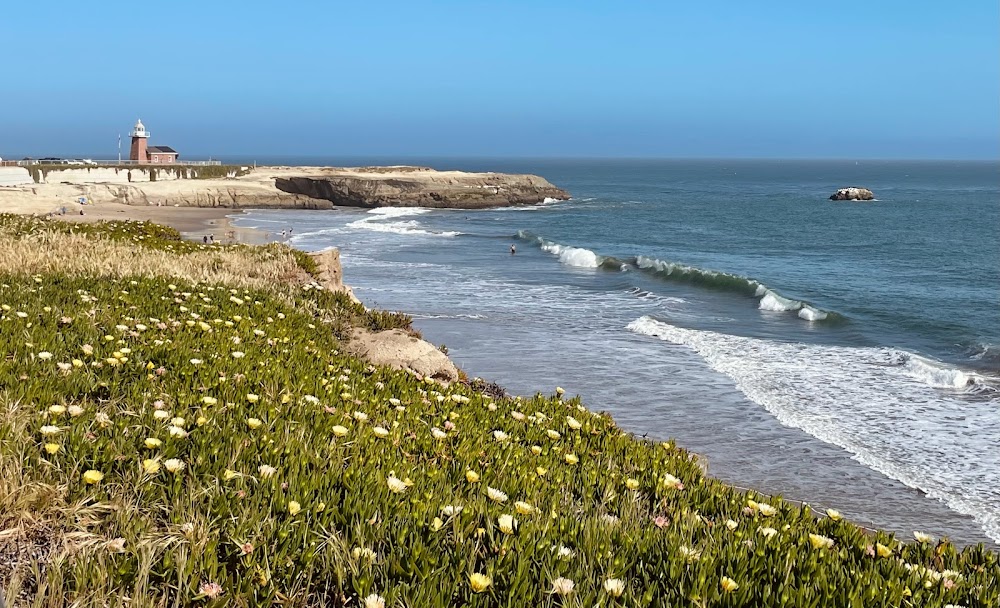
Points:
(513, 249)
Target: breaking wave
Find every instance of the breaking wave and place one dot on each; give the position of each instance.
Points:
(770, 300)
(891, 409)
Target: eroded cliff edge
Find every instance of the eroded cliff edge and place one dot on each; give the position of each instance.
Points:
(420, 187)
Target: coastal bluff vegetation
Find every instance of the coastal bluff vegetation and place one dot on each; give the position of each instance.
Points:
(189, 424)
(41, 189)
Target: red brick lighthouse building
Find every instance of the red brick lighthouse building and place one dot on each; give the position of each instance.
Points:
(141, 153)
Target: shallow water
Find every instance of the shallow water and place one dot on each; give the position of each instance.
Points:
(838, 353)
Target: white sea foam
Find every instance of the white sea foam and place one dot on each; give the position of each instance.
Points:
(573, 256)
(873, 402)
(774, 302)
(811, 314)
(385, 219)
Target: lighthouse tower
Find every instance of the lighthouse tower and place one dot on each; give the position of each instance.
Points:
(139, 136)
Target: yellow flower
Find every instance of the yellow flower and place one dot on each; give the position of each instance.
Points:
(500, 436)
(553, 434)
(381, 431)
(732, 525)
(293, 507)
(614, 587)
(560, 391)
(833, 514)
(767, 532)
(479, 582)
(496, 494)
(536, 450)
(151, 466)
(506, 524)
(91, 477)
(177, 421)
(252, 398)
(254, 423)
(436, 524)
(438, 434)
(632, 484)
(728, 584)
(152, 443)
(201, 421)
(161, 414)
(77, 363)
(471, 476)
(209, 400)
(229, 475)
(174, 465)
(75, 410)
(339, 431)
(882, 550)
(819, 541)
(571, 459)
(51, 448)
(573, 423)
(523, 508)
(669, 481)
(541, 471)
(57, 410)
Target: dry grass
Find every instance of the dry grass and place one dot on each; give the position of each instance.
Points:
(75, 254)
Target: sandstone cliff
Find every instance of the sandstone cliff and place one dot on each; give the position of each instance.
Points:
(421, 187)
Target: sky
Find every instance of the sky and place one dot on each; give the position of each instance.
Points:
(560, 78)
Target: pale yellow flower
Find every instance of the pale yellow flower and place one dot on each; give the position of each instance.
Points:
(536, 450)
(553, 434)
(161, 414)
(728, 584)
(293, 507)
(380, 431)
(882, 550)
(396, 485)
(632, 484)
(833, 514)
(451, 510)
(254, 423)
(573, 423)
(44, 356)
(523, 508)
(75, 410)
(766, 509)
(471, 476)
(479, 582)
(614, 587)
(266, 471)
(151, 466)
(495, 494)
(229, 475)
(819, 541)
(563, 586)
(339, 431)
(209, 400)
(49, 430)
(152, 443)
(51, 448)
(373, 600)
(923, 537)
(252, 398)
(691, 555)
(174, 465)
(436, 524)
(500, 436)
(767, 532)
(732, 525)
(91, 477)
(541, 471)
(506, 524)
(360, 416)
(176, 431)
(178, 421)
(57, 410)
(571, 459)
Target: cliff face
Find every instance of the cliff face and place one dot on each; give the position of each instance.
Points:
(421, 187)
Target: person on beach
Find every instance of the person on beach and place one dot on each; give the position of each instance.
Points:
(204, 239)
(513, 249)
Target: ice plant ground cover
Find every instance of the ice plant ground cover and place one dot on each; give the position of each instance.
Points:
(167, 439)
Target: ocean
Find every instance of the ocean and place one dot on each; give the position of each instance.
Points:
(844, 354)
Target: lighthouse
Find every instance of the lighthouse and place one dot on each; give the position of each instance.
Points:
(139, 136)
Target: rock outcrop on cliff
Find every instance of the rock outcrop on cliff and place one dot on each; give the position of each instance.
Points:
(421, 187)
(852, 194)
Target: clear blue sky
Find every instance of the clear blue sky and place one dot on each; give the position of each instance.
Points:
(845, 79)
